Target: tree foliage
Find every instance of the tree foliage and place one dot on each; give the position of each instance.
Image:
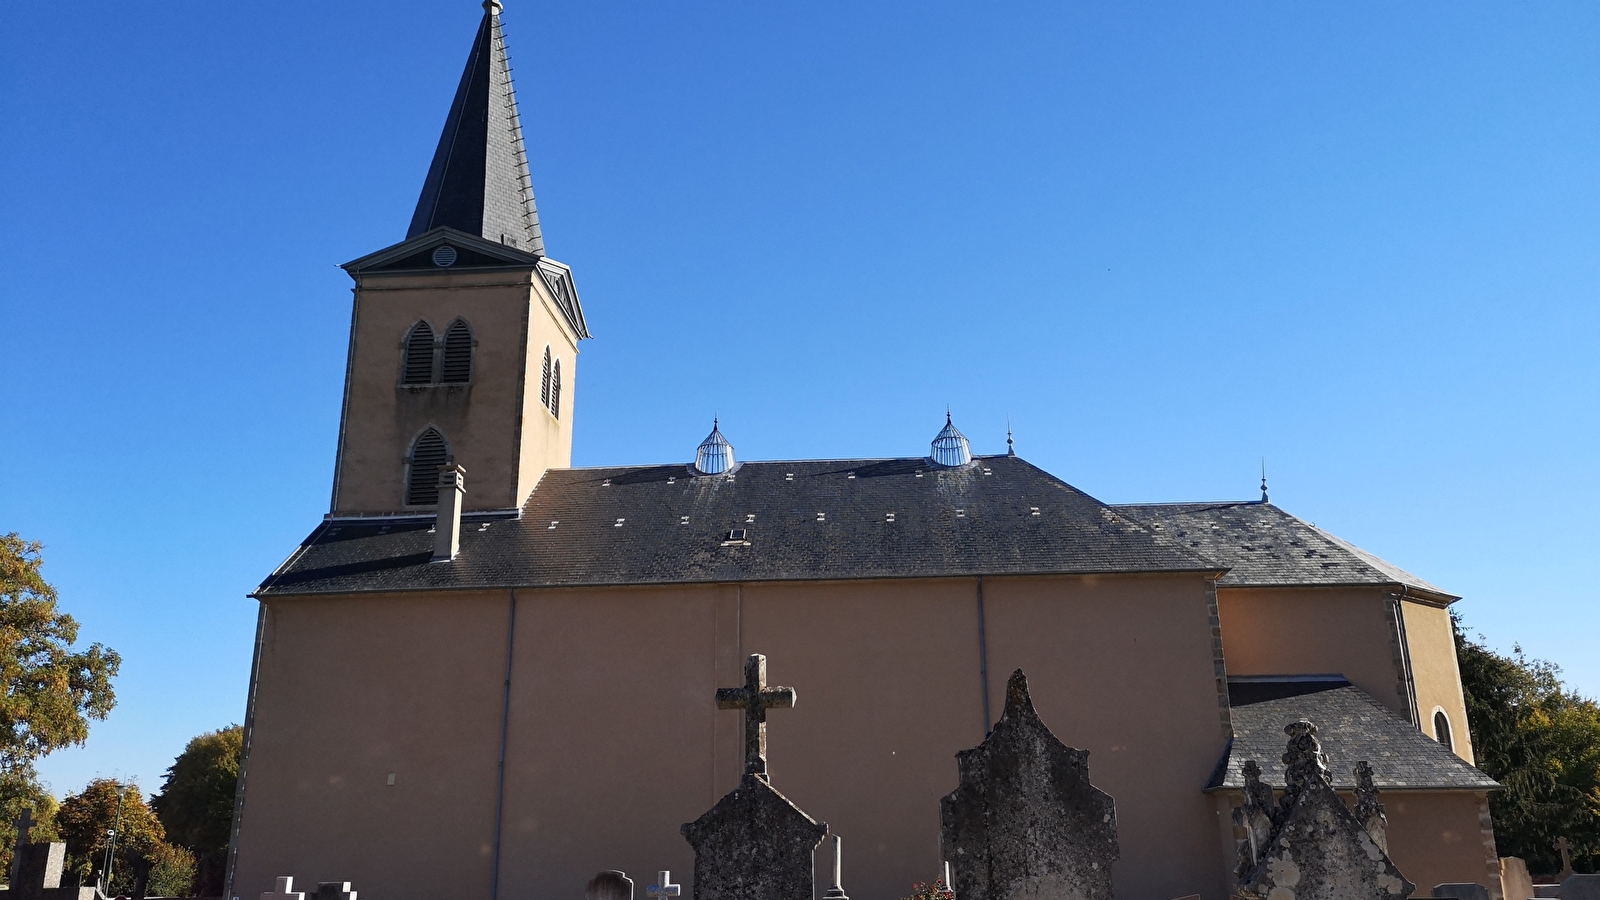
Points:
(85, 820)
(1542, 741)
(196, 802)
(50, 690)
(19, 790)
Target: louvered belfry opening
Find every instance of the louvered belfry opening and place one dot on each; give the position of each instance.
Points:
(428, 453)
(544, 382)
(419, 355)
(555, 389)
(456, 367)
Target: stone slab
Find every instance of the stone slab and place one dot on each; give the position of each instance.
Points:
(1581, 887)
(1461, 891)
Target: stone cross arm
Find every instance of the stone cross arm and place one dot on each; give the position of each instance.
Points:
(755, 698)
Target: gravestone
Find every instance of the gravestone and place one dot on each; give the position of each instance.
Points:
(1581, 887)
(24, 825)
(334, 890)
(1025, 822)
(663, 889)
(754, 844)
(284, 890)
(1461, 891)
(1564, 847)
(836, 890)
(1315, 847)
(38, 869)
(1515, 883)
(612, 884)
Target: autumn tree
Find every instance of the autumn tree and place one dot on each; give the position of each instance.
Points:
(20, 790)
(87, 819)
(1541, 740)
(196, 802)
(51, 690)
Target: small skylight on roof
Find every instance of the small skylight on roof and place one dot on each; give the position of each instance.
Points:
(672, 479)
(618, 523)
(553, 524)
(749, 517)
(822, 517)
(961, 514)
(888, 517)
(788, 476)
(683, 520)
(1034, 509)
(606, 483)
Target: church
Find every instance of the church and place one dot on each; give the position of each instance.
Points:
(488, 674)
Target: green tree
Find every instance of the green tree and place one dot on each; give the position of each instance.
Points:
(171, 872)
(49, 690)
(196, 803)
(85, 821)
(20, 790)
(1542, 741)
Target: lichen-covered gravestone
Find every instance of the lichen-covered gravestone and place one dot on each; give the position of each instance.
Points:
(1310, 846)
(1025, 822)
(754, 844)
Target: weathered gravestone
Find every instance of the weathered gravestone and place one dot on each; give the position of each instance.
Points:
(1310, 846)
(1462, 890)
(37, 870)
(1515, 883)
(1025, 822)
(612, 884)
(1581, 887)
(836, 890)
(754, 844)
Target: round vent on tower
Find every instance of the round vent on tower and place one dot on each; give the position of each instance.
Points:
(950, 447)
(444, 256)
(715, 454)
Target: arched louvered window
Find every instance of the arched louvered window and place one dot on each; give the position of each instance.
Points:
(456, 368)
(419, 355)
(428, 453)
(555, 390)
(544, 384)
(1441, 730)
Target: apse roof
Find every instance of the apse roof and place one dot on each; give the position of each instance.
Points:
(1261, 545)
(1351, 726)
(823, 519)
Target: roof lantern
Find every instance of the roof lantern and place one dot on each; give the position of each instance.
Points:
(950, 447)
(715, 454)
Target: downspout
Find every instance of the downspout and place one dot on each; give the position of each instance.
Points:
(500, 776)
(244, 753)
(983, 661)
(1403, 645)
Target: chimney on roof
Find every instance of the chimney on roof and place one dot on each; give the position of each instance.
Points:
(447, 530)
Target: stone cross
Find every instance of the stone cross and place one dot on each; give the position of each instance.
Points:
(284, 890)
(1565, 849)
(25, 825)
(836, 892)
(755, 698)
(663, 889)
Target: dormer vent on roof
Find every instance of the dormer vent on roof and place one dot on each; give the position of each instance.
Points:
(715, 454)
(950, 447)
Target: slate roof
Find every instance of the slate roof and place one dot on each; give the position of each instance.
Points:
(1351, 726)
(478, 182)
(1261, 545)
(802, 520)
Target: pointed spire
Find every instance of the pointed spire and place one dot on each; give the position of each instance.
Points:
(1011, 445)
(479, 181)
(1264, 480)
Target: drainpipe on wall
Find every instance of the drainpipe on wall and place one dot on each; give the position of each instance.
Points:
(1408, 681)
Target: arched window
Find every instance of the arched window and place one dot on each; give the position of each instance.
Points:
(1441, 730)
(555, 390)
(428, 453)
(419, 355)
(457, 365)
(544, 384)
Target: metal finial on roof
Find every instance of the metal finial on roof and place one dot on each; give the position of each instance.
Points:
(493, 7)
(715, 454)
(950, 447)
(1263, 479)
(1011, 445)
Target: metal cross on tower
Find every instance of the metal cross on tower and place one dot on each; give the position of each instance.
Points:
(755, 698)
(664, 889)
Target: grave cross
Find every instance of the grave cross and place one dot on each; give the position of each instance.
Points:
(1565, 849)
(664, 889)
(755, 698)
(25, 825)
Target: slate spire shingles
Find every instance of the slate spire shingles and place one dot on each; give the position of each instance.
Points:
(479, 180)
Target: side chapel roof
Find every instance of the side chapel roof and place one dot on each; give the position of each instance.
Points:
(1263, 546)
(779, 521)
(1353, 727)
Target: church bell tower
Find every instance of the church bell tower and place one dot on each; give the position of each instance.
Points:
(464, 337)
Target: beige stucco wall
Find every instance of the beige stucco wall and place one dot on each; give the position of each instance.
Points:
(614, 741)
(1437, 674)
(1304, 631)
(495, 425)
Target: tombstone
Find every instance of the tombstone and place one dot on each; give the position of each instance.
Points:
(836, 890)
(1581, 887)
(1461, 891)
(141, 876)
(1564, 847)
(1515, 883)
(24, 826)
(612, 884)
(284, 891)
(754, 844)
(334, 890)
(1313, 846)
(38, 869)
(1025, 820)
(663, 889)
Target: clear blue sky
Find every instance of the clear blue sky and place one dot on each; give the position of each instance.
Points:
(1166, 240)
